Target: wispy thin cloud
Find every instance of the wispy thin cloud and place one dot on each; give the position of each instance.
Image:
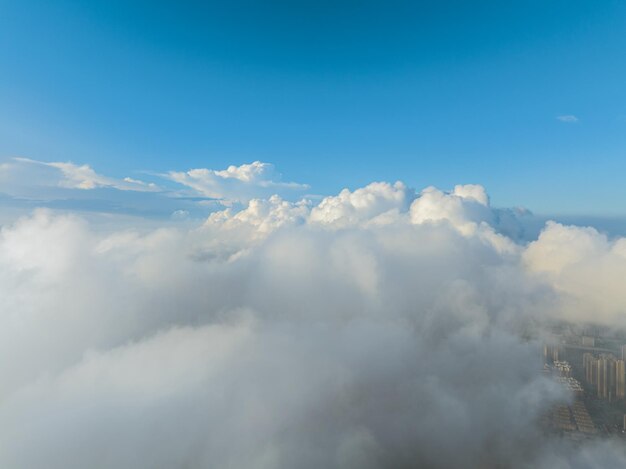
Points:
(73, 176)
(569, 118)
(79, 186)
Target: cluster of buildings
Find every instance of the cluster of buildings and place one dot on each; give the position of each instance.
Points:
(573, 420)
(582, 417)
(551, 353)
(561, 371)
(601, 369)
(562, 367)
(607, 374)
(592, 366)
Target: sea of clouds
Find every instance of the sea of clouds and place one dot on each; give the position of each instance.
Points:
(378, 328)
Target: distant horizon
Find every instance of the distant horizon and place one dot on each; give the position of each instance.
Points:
(68, 186)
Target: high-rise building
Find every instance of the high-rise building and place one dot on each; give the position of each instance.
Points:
(601, 377)
(620, 379)
(587, 358)
(611, 382)
(589, 341)
(607, 374)
(551, 353)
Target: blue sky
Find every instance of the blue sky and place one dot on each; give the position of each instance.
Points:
(333, 93)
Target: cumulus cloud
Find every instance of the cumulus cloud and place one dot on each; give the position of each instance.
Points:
(586, 267)
(465, 207)
(377, 202)
(238, 183)
(262, 215)
(376, 329)
(26, 184)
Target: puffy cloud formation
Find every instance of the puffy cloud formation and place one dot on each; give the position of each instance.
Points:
(238, 183)
(378, 329)
(263, 216)
(465, 207)
(378, 202)
(586, 268)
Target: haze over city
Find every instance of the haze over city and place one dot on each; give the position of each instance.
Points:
(267, 234)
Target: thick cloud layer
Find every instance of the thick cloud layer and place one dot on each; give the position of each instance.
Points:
(376, 329)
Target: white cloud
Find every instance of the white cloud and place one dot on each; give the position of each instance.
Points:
(27, 183)
(361, 342)
(378, 200)
(587, 269)
(238, 183)
(263, 215)
(180, 214)
(254, 223)
(74, 176)
(465, 207)
(569, 118)
(376, 329)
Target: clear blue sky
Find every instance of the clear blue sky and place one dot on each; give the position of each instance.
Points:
(333, 93)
